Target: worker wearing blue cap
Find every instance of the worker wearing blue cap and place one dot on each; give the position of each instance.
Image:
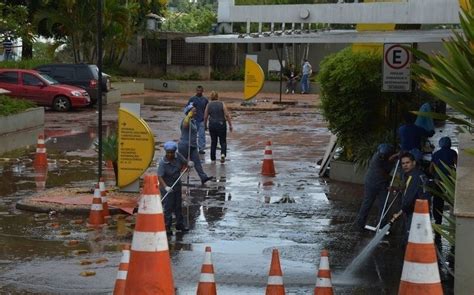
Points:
(169, 170)
(376, 183)
(188, 142)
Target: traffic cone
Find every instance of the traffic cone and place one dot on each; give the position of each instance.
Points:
(275, 278)
(41, 173)
(103, 195)
(420, 274)
(207, 283)
(323, 281)
(268, 168)
(96, 217)
(119, 288)
(150, 265)
(41, 158)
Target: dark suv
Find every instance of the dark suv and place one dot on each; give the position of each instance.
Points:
(81, 75)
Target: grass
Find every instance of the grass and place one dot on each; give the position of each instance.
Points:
(10, 106)
(23, 64)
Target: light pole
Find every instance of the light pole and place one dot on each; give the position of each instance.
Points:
(99, 79)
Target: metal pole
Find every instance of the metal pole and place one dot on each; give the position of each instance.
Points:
(99, 80)
(279, 56)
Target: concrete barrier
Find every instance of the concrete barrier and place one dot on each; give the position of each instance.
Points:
(220, 86)
(347, 172)
(20, 130)
(112, 96)
(126, 88)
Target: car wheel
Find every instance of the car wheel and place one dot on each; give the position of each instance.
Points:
(61, 104)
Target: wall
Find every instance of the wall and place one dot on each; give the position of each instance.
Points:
(20, 130)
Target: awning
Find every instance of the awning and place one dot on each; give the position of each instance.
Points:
(332, 36)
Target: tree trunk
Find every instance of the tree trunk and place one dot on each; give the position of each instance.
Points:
(27, 50)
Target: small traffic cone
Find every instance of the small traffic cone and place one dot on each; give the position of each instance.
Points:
(41, 158)
(119, 288)
(41, 173)
(150, 271)
(103, 195)
(323, 281)
(268, 168)
(420, 274)
(207, 283)
(275, 277)
(96, 217)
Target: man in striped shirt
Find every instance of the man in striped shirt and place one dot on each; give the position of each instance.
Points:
(7, 48)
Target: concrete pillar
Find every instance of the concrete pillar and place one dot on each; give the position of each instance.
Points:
(168, 51)
(464, 212)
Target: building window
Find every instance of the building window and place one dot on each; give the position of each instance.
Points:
(183, 53)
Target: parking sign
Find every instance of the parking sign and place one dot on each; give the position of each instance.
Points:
(396, 68)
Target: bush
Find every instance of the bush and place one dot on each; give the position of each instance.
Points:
(10, 106)
(24, 64)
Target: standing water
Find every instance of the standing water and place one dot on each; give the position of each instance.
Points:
(357, 262)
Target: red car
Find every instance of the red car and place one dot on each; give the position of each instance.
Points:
(42, 89)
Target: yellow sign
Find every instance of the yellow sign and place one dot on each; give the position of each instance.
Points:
(254, 79)
(136, 147)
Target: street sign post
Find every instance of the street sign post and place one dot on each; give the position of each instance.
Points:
(396, 68)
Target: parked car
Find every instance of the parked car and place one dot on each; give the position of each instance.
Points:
(42, 89)
(80, 75)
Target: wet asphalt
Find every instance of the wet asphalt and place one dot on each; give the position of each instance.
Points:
(238, 215)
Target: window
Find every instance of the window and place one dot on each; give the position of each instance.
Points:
(64, 73)
(83, 73)
(9, 77)
(31, 80)
(183, 53)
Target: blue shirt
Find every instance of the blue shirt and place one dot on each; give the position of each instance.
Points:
(170, 170)
(411, 135)
(184, 140)
(200, 103)
(446, 155)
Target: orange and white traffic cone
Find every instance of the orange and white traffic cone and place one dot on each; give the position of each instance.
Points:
(207, 283)
(420, 274)
(103, 195)
(275, 277)
(150, 271)
(268, 168)
(323, 281)
(96, 217)
(119, 288)
(41, 159)
(41, 173)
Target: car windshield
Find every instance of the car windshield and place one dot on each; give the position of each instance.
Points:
(48, 79)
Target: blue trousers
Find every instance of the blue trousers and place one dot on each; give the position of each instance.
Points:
(305, 83)
(372, 193)
(201, 135)
(194, 156)
(173, 204)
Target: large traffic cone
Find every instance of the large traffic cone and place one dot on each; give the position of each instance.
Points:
(323, 281)
(41, 159)
(96, 217)
(207, 283)
(275, 277)
(150, 264)
(268, 168)
(103, 195)
(41, 173)
(119, 288)
(420, 274)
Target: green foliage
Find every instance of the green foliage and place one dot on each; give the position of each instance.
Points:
(14, 22)
(191, 18)
(24, 64)
(234, 75)
(10, 106)
(275, 2)
(352, 101)
(451, 78)
(191, 76)
(447, 188)
(109, 147)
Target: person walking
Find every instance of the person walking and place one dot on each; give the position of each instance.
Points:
(291, 79)
(200, 102)
(169, 171)
(7, 48)
(376, 183)
(411, 135)
(188, 142)
(218, 116)
(444, 156)
(307, 70)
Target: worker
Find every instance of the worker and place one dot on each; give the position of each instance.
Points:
(200, 102)
(444, 156)
(188, 142)
(169, 171)
(412, 135)
(376, 183)
(415, 188)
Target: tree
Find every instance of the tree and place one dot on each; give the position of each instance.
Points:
(191, 18)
